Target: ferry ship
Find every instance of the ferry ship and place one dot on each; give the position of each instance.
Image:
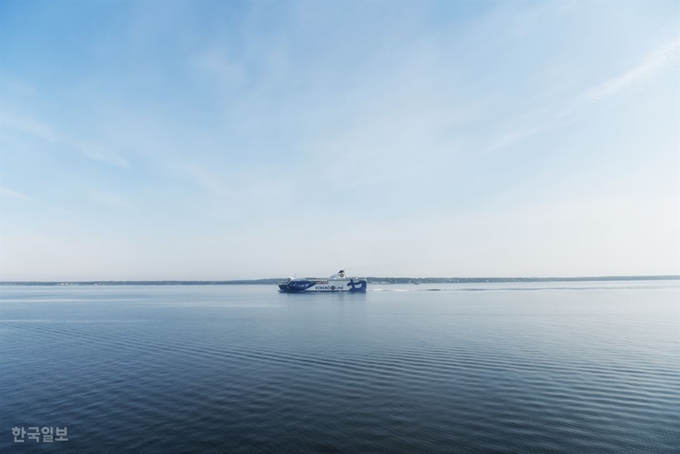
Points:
(335, 283)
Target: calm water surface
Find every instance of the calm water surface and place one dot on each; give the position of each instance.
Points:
(551, 367)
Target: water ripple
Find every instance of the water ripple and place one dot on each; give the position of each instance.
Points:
(467, 371)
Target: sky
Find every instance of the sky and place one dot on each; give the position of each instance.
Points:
(213, 140)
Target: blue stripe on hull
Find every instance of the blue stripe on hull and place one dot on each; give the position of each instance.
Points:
(305, 286)
(357, 286)
(296, 286)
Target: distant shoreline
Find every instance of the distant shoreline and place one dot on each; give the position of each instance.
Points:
(371, 280)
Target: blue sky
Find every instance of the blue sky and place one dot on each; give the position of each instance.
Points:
(225, 140)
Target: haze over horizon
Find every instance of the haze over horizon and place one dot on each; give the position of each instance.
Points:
(241, 140)
(435, 280)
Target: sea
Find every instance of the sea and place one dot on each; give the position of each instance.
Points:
(577, 367)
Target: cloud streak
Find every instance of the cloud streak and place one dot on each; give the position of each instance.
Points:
(9, 193)
(29, 126)
(26, 126)
(99, 154)
(655, 62)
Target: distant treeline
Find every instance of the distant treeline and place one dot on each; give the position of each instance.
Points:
(373, 280)
(468, 280)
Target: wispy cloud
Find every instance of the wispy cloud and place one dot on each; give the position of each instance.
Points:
(655, 62)
(6, 192)
(101, 154)
(25, 125)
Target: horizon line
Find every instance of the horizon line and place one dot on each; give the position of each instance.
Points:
(392, 278)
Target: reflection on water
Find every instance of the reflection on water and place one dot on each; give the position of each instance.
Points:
(523, 367)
